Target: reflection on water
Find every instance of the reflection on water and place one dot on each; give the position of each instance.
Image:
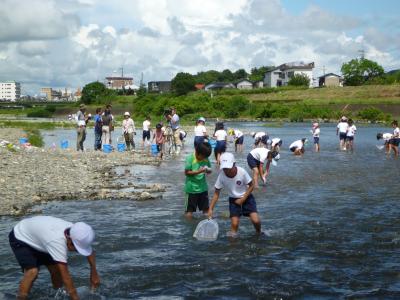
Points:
(331, 223)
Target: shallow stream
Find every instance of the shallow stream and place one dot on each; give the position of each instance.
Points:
(331, 223)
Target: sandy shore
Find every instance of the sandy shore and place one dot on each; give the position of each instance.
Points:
(34, 176)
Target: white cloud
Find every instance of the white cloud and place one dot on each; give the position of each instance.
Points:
(72, 42)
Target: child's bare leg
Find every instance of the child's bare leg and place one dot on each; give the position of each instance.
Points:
(235, 224)
(256, 222)
(255, 177)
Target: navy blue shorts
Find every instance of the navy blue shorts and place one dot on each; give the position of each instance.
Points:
(342, 135)
(146, 135)
(27, 256)
(293, 149)
(252, 162)
(198, 140)
(248, 207)
(395, 141)
(239, 141)
(349, 138)
(316, 139)
(194, 201)
(220, 147)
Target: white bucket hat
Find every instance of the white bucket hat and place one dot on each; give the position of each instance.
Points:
(82, 236)
(127, 114)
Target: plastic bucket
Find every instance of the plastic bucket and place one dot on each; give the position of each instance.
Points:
(121, 147)
(64, 144)
(154, 149)
(23, 141)
(107, 148)
(213, 143)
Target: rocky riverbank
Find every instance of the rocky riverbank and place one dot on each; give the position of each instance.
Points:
(30, 176)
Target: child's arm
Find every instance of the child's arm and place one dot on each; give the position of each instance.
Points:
(213, 202)
(191, 172)
(249, 190)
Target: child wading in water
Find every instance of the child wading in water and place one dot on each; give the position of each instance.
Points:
(159, 138)
(316, 132)
(197, 166)
(256, 159)
(351, 131)
(239, 187)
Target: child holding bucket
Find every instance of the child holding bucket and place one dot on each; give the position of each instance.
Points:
(128, 129)
(158, 140)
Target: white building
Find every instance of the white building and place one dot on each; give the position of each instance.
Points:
(281, 75)
(10, 91)
(244, 84)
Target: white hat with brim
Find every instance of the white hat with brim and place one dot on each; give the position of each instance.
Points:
(201, 119)
(227, 160)
(82, 236)
(127, 114)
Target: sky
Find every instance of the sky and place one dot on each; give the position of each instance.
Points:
(69, 43)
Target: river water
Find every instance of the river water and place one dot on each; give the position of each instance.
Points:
(331, 224)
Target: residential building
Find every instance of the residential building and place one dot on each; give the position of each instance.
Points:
(159, 87)
(281, 75)
(330, 80)
(10, 91)
(199, 86)
(219, 86)
(244, 84)
(51, 95)
(118, 83)
(258, 84)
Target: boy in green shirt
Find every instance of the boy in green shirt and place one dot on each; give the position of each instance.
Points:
(197, 166)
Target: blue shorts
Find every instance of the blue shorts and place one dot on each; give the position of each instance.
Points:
(252, 162)
(342, 135)
(146, 135)
(239, 141)
(349, 138)
(220, 147)
(198, 140)
(248, 207)
(316, 139)
(27, 256)
(394, 142)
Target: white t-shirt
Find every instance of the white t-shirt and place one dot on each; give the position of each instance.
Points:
(275, 141)
(238, 134)
(45, 234)
(297, 144)
(316, 132)
(236, 186)
(396, 132)
(387, 136)
(220, 135)
(352, 130)
(259, 135)
(146, 125)
(200, 130)
(259, 154)
(343, 126)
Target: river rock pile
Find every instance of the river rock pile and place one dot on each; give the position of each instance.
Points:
(29, 177)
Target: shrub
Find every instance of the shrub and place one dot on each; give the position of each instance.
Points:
(34, 137)
(371, 114)
(40, 113)
(299, 80)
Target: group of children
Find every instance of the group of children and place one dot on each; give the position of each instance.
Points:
(346, 131)
(392, 140)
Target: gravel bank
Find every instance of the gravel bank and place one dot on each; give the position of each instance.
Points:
(33, 176)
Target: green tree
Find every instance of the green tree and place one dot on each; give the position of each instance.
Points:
(142, 91)
(183, 83)
(359, 71)
(207, 77)
(299, 80)
(93, 91)
(240, 74)
(257, 74)
(226, 76)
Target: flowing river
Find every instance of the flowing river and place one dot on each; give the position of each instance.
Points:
(331, 223)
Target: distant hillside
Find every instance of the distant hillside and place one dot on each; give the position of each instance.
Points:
(393, 72)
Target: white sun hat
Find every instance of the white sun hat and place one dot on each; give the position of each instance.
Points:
(82, 236)
(227, 160)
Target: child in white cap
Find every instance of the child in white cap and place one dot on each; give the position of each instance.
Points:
(45, 240)
(239, 186)
(128, 130)
(315, 133)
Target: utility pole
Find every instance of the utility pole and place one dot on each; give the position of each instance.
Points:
(141, 80)
(362, 53)
(323, 69)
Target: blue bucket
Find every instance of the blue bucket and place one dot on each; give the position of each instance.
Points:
(121, 147)
(23, 141)
(213, 143)
(107, 148)
(154, 149)
(64, 144)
